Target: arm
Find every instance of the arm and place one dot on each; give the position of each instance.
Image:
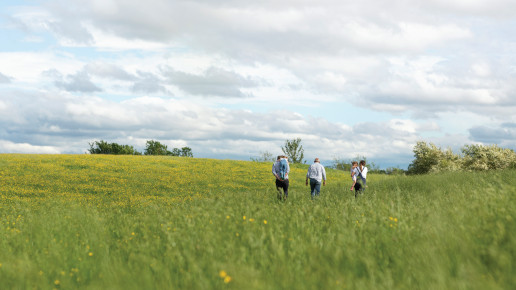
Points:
(324, 176)
(274, 171)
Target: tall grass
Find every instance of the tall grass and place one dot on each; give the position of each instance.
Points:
(139, 222)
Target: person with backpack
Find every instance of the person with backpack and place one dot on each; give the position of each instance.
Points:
(316, 173)
(281, 169)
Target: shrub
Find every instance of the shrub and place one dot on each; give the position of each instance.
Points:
(481, 157)
(430, 158)
(103, 147)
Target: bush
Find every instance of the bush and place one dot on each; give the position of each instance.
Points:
(156, 148)
(103, 147)
(481, 157)
(429, 158)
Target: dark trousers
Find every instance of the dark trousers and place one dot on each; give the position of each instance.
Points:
(284, 185)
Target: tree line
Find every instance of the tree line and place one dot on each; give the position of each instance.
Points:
(428, 158)
(152, 148)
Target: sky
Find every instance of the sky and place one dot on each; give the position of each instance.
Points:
(235, 79)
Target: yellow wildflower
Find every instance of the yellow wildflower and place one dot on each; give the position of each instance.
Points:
(90, 254)
(223, 274)
(227, 279)
(265, 222)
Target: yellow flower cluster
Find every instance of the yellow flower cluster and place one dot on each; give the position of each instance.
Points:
(225, 276)
(393, 222)
(127, 179)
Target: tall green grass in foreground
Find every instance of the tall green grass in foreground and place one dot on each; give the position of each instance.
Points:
(138, 222)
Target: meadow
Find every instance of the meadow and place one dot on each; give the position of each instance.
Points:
(142, 222)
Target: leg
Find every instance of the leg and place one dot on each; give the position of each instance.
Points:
(285, 188)
(279, 185)
(317, 187)
(312, 187)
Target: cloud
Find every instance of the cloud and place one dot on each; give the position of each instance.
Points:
(78, 82)
(71, 32)
(148, 83)
(11, 147)
(230, 78)
(109, 70)
(214, 82)
(396, 58)
(4, 79)
(68, 123)
(490, 135)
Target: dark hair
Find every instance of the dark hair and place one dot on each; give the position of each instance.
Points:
(362, 162)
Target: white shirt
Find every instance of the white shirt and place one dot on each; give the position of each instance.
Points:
(316, 171)
(363, 172)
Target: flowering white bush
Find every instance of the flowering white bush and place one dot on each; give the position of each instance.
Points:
(429, 158)
(482, 157)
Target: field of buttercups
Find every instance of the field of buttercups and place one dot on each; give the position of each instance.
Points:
(141, 222)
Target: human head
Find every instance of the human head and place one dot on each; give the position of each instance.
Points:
(316, 159)
(354, 163)
(279, 157)
(362, 162)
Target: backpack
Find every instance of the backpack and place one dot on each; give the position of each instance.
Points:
(283, 168)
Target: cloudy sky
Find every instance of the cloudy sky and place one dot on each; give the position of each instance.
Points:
(232, 79)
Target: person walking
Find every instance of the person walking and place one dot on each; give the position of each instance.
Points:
(281, 174)
(316, 173)
(362, 169)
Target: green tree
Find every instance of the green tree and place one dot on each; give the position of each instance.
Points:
(103, 147)
(156, 148)
(294, 150)
(185, 152)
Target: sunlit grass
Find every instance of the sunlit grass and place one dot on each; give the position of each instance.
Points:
(140, 222)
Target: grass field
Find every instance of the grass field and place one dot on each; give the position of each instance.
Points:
(140, 222)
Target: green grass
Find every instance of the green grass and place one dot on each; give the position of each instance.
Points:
(138, 222)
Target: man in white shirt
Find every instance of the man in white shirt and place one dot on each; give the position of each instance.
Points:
(316, 173)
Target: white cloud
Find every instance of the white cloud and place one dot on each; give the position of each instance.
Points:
(229, 75)
(4, 79)
(11, 147)
(208, 131)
